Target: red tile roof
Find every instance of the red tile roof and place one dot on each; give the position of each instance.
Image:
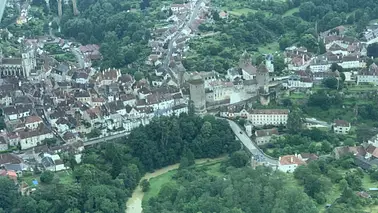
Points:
(32, 119)
(291, 159)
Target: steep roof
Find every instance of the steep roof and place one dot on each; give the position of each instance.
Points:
(342, 123)
(372, 150)
(262, 68)
(291, 159)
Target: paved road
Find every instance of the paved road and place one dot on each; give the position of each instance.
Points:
(79, 57)
(248, 143)
(193, 16)
(105, 139)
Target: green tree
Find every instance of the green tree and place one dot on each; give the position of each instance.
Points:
(295, 121)
(47, 176)
(239, 159)
(145, 184)
(138, 76)
(331, 83)
(310, 42)
(8, 194)
(49, 141)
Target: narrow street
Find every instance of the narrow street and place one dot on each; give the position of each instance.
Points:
(249, 144)
(193, 15)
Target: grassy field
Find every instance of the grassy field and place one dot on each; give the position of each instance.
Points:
(156, 184)
(269, 48)
(291, 12)
(212, 168)
(64, 177)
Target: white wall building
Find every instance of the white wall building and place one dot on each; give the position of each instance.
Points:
(264, 136)
(289, 163)
(261, 117)
(31, 139)
(297, 82)
(341, 127)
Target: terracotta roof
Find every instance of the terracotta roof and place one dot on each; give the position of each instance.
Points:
(372, 150)
(309, 156)
(342, 123)
(291, 159)
(32, 119)
(9, 158)
(355, 150)
(29, 134)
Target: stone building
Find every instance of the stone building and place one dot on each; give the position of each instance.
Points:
(20, 67)
(197, 94)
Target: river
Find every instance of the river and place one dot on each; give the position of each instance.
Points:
(134, 204)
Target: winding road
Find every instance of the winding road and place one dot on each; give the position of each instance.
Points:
(250, 145)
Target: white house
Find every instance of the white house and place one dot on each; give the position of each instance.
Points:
(264, 136)
(33, 122)
(179, 109)
(3, 144)
(62, 124)
(341, 127)
(81, 78)
(16, 112)
(29, 139)
(297, 82)
(249, 71)
(369, 75)
(261, 117)
(289, 163)
(178, 7)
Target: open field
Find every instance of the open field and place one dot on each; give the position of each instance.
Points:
(63, 177)
(157, 182)
(211, 167)
(269, 48)
(291, 12)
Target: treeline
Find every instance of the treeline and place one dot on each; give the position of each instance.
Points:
(325, 176)
(109, 173)
(238, 191)
(163, 142)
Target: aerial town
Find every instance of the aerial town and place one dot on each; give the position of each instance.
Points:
(57, 101)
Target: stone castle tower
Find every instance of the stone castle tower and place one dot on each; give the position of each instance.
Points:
(262, 78)
(197, 94)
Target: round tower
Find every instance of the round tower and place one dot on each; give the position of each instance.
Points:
(262, 76)
(197, 94)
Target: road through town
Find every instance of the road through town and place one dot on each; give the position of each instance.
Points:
(249, 144)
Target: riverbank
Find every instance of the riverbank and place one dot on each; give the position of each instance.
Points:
(134, 204)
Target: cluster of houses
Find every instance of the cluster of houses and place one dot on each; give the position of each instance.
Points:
(109, 102)
(169, 42)
(347, 52)
(365, 155)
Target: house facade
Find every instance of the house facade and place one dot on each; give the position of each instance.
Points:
(289, 163)
(341, 127)
(261, 117)
(264, 136)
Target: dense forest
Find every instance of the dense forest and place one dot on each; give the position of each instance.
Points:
(241, 190)
(109, 173)
(123, 28)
